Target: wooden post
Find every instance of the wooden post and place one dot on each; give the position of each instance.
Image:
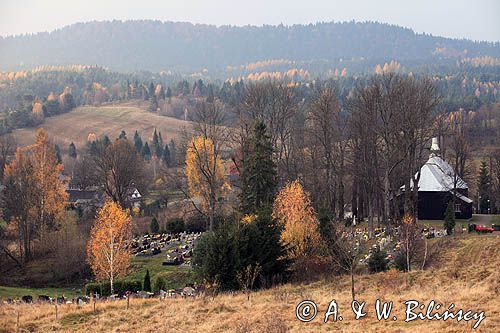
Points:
(56, 311)
(94, 304)
(17, 323)
(128, 301)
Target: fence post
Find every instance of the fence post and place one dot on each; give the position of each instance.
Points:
(17, 322)
(128, 301)
(56, 311)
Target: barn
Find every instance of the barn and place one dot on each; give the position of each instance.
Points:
(436, 188)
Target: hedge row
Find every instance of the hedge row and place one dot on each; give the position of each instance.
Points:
(120, 287)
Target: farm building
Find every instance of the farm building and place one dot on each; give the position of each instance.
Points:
(436, 189)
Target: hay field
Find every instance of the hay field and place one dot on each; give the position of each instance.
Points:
(76, 125)
(466, 273)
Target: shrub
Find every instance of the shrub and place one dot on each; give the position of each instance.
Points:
(171, 280)
(378, 261)
(154, 227)
(175, 225)
(120, 286)
(195, 223)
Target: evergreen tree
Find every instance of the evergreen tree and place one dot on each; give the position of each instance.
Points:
(161, 95)
(258, 176)
(106, 141)
(155, 139)
(169, 93)
(154, 227)
(93, 148)
(153, 104)
(122, 135)
(146, 152)
(484, 188)
(151, 89)
(129, 91)
(137, 142)
(159, 151)
(449, 218)
(210, 95)
(173, 152)
(58, 153)
(160, 139)
(147, 282)
(166, 156)
(72, 150)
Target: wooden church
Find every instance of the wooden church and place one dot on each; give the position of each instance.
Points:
(436, 189)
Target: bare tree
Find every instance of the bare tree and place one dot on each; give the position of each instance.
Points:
(119, 168)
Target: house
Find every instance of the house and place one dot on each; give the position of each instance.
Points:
(87, 198)
(436, 188)
(134, 197)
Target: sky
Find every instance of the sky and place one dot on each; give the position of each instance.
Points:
(472, 19)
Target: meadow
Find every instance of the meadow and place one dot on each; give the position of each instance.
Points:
(110, 120)
(464, 273)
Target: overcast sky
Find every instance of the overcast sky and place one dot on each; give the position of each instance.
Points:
(473, 19)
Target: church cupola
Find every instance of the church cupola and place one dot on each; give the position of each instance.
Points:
(435, 151)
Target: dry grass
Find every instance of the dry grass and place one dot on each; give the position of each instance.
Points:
(76, 125)
(466, 274)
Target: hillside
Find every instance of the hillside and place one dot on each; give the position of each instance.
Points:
(76, 125)
(156, 46)
(465, 272)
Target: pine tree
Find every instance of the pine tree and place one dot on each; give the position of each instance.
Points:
(449, 218)
(484, 188)
(258, 174)
(123, 135)
(155, 139)
(106, 141)
(146, 152)
(72, 150)
(169, 93)
(173, 152)
(161, 95)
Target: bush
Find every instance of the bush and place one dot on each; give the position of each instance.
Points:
(196, 223)
(378, 261)
(171, 280)
(175, 226)
(154, 227)
(120, 286)
(400, 261)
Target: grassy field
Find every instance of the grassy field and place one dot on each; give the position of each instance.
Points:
(465, 273)
(76, 125)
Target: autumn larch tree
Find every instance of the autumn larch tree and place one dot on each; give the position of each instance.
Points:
(205, 175)
(107, 250)
(293, 208)
(35, 194)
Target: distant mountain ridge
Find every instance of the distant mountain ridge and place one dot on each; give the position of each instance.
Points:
(185, 47)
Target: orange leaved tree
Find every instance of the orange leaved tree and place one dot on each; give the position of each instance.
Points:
(107, 250)
(205, 174)
(294, 210)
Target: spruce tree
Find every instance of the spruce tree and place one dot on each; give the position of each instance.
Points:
(162, 93)
(155, 139)
(72, 150)
(153, 104)
(58, 153)
(106, 141)
(137, 142)
(122, 135)
(151, 89)
(146, 152)
(166, 156)
(449, 218)
(169, 93)
(484, 188)
(258, 176)
(147, 282)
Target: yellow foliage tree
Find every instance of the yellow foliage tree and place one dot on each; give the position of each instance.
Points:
(205, 174)
(107, 250)
(293, 209)
(35, 194)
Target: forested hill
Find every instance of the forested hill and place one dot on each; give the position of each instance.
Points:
(156, 46)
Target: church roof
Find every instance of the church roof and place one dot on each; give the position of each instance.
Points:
(436, 175)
